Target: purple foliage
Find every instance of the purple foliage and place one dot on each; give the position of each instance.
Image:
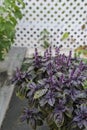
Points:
(81, 116)
(55, 86)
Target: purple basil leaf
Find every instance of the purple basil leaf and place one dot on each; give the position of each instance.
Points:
(59, 119)
(43, 102)
(51, 101)
(81, 116)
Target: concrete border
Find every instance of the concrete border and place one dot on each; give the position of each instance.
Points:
(13, 60)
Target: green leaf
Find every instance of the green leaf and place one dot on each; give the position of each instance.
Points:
(4, 52)
(65, 36)
(85, 84)
(49, 119)
(9, 30)
(18, 14)
(40, 93)
(9, 13)
(84, 60)
(2, 25)
(69, 114)
(13, 20)
(22, 3)
(44, 32)
(39, 122)
(2, 10)
(7, 3)
(20, 95)
(46, 44)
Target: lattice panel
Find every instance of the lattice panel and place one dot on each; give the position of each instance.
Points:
(58, 17)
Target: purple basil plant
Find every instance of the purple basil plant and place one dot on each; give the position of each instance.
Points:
(54, 89)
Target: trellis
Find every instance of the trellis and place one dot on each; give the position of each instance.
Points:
(58, 17)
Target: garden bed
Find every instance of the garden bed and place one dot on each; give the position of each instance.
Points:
(48, 84)
(16, 106)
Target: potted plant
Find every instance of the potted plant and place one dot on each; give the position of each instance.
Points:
(56, 91)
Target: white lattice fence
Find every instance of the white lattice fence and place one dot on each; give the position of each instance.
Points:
(58, 17)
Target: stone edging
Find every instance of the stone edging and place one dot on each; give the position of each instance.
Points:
(13, 60)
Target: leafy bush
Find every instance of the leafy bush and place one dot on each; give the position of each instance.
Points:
(54, 88)
(10, 13)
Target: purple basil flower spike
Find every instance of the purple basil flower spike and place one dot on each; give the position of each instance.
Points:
(72, 72)
(62, 58)
(45, 54)
(37, 59)
(57, 51)
(79, 69)
(61, 80)
(36, 52)
(82, 66)
(69, 58)
(50, 51)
